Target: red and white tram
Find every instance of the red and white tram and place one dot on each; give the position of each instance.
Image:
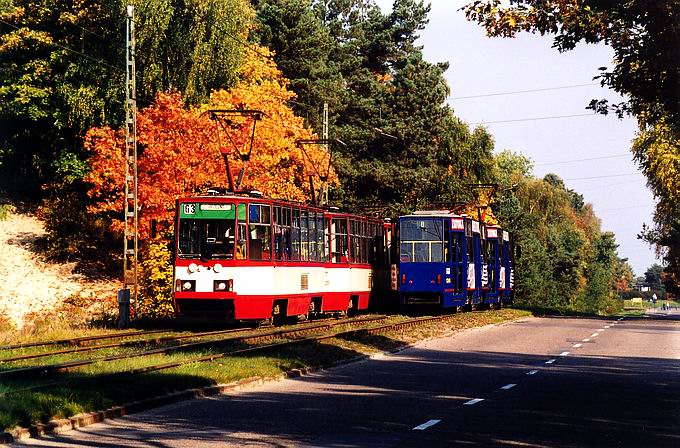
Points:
(247, 258)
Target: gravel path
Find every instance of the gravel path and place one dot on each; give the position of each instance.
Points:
(30, 284)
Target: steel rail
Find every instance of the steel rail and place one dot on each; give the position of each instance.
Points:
(121, 344)
(214, 356)
(78, 341)
(38, 370)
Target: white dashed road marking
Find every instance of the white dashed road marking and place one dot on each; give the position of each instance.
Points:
(607, 326)
(532, 372)
(426, 425)
(594, 335)
(550, 361)
(586, 340)
(577, 345)
(508, 386)
(473, 401)
(564, 353)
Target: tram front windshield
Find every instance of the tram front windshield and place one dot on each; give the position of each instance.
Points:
(422, 240)
(207, 239)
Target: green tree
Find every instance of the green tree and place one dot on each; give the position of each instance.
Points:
(567, 262)
(644, 35)
(62, 69)
(303, 50)
(404, 145)
(653, 276)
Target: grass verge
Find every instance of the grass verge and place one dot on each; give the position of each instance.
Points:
(86, 394)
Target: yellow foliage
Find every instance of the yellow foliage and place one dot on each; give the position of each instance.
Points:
(180, 148)
(155, 294)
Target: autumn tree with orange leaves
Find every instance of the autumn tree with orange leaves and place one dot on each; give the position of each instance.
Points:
(180, 147)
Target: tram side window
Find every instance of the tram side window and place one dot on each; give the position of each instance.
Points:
(295, 235)
(321, 241)
(304, 236)
(259, 232)
(339, 242)
(353, 241)
(282, 232)
(313, 252)
(363, 228)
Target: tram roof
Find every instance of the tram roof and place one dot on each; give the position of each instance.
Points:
(433, 214)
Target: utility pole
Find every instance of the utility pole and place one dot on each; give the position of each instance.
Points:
(131, 209)
(324, 131)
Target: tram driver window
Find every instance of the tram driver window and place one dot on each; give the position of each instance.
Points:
(259, 232)
(208, 239)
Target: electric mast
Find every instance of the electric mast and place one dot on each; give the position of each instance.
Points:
(131, 209)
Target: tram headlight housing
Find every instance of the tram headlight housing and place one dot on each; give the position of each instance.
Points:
(223, 285)
(185, 285)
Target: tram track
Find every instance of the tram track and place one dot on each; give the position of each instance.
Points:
(40, 370)
(215, 356)
(80, 340)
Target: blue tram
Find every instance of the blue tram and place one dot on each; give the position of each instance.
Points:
(450, 261)
(440, 260)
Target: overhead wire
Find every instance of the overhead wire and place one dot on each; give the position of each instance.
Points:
(600, 187)
(614, 156)
(623, 208)
(555, 117)
(604, 176)
(515, 92)
(71, 50)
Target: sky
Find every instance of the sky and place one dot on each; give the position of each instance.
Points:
(479, 65)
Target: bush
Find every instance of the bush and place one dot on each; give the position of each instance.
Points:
(155, 292)
(75, 235)
(5, 210)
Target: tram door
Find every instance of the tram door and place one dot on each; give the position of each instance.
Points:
(457, 245)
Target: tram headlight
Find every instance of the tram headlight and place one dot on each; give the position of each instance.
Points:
(217, 268)
(193, 267)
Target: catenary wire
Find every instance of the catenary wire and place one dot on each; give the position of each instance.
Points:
(545, 89)
(584, 160)
(600, 187)
(98, 61)
(554, 117)
(604, 176)
(624, 208)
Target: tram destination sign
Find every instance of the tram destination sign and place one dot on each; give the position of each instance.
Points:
(197, 210)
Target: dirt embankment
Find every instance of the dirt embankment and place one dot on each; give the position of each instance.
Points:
(32, 287)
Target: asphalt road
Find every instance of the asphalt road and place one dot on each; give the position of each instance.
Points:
(554, 382)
